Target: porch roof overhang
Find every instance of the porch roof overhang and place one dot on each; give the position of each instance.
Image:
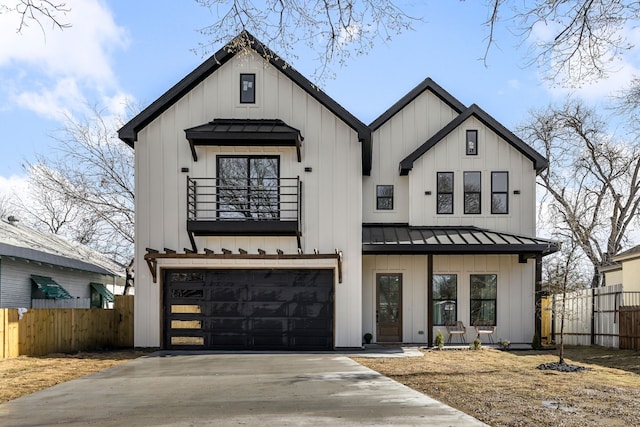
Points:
(379, 239)
(244, 132)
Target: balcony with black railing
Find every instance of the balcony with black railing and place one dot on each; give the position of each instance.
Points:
(244, 206)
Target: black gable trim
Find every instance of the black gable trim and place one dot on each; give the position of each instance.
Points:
(427, 84)
(129, 132)
(539, 162)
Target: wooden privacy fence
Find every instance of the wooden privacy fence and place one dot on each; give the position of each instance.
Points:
(41, 331)
(594, 316)
(630, 328)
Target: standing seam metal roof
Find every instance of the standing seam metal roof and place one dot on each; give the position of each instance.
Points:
(384, 238)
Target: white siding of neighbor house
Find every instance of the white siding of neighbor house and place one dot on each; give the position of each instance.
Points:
(393, 141)
(494, 155)
(515, 299)
(332, 192)
(630, 275)
(613, 277)
(15, 281)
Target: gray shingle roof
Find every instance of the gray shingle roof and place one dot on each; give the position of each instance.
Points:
(19, 241)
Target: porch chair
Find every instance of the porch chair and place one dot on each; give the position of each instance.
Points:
(456, 328)
(483, 327)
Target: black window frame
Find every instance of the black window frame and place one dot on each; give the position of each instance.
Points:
(380, 198)
(477, 304)
(442, 194)
(467, 193)
(471, 143)
(220, 183)
(504, 193)
(248, 96)
(435, 301)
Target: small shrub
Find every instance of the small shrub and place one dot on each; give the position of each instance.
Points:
(477, 344)
(367, 338)
(536, 344)
(504, 344)
(439, 340)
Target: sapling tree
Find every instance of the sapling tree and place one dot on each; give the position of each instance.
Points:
(563, 277)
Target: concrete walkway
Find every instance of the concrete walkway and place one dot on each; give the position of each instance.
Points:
(224, 389)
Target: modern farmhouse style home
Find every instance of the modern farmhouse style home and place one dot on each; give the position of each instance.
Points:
(269, 217)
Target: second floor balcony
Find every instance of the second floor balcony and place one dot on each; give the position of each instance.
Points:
(244, 206)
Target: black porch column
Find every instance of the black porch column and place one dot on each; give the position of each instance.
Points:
(538, 296)
(429, 299)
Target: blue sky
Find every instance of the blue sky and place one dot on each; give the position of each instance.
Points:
(135, 50)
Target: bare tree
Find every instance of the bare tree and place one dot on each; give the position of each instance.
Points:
(588, 36)
(592, 184)
(87, 189)
(334, 30)
(563, 277)
(37, 11)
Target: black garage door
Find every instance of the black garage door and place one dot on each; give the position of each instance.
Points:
(248, 309)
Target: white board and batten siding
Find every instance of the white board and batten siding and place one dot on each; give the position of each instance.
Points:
(332, 191)
(494, 155)
(15, 281)
(515, 312)
(392, 142)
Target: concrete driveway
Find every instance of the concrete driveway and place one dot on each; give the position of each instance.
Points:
(187, 389)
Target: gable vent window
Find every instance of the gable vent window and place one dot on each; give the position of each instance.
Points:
(384, 197)
(247, 88)
(472, 143)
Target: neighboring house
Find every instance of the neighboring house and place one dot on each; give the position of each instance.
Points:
(38, 266)
(624, 269)
(269, 217)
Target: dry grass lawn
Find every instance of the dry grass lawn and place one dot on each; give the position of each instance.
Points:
(505, 388)
(499, 388)
(25, 375)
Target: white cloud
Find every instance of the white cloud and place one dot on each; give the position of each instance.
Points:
(57, 103)
(13, 186)
(81, 51)
(55, 72)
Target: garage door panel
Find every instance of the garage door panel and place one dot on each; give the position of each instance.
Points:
(188, 293)
(249, 309)
(228, 341)
(269, 326)
(261, 309)
(226, 309)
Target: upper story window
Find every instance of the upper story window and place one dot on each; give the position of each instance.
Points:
(472, 192)
(445, 193)
(499, 192)
(247, 88)
(445, 298)
(248, 187)
(472, 143)
(384, 197)
(484, 291)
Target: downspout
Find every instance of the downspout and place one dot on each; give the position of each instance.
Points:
(538, 296)
(0, 281)
(429, 299)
